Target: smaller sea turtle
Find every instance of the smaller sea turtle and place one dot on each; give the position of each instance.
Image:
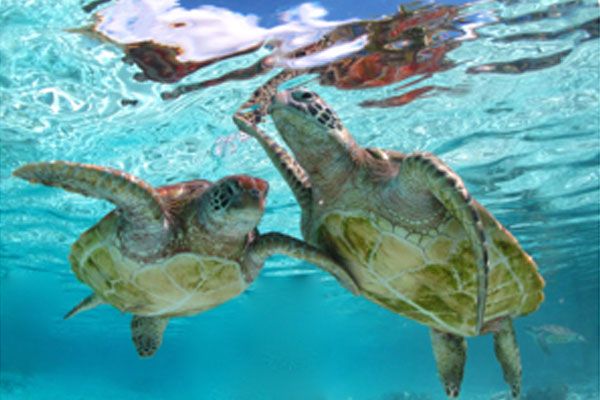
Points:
(172, 251)
(546, 335)
(410, 233)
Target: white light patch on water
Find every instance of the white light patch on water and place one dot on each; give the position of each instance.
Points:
(326, 56)
(56, 98)
(209, 32)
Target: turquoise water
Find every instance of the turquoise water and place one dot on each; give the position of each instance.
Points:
(525, 140)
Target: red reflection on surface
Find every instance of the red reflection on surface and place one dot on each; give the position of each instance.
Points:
(159, 62)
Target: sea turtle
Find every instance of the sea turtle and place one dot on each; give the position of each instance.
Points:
(411, 235)
(546, 335)
(172, 251)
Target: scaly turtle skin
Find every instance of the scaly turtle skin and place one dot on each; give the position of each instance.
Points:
(173, 251)
(413, 238)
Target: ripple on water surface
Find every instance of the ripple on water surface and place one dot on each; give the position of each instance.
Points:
(506, 92)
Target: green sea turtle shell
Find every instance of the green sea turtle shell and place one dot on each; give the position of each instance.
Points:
(430, 276)
(182, 284)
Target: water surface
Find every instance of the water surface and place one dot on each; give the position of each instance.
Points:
(508, 97)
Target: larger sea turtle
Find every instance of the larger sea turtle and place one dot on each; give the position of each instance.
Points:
(414, 239)
(171, 251)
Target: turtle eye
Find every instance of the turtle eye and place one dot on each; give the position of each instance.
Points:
(302, 96)
(231, 188)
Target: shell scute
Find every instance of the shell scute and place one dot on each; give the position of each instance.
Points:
(105, 262)
(187, 271)
(500, 279)
(396, 256)
(218, 274)
(361, 236)
(126, 296)
(92, 237)
(462, 262)
(465, 301)
(440, 275)
(393, 303)
(531, 302)
(429, 300)
(497, 305)
(437, 251)
(91, 273)
(155, 280)
(418, 316)
(433, 278)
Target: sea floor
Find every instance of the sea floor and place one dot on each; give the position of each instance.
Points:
(56, 386)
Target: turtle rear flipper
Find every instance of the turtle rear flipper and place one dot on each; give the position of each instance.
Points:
(147, 334)
(138, 203)
(447, 187)
(450, 353)
(88, 303)
(507, 353)
(277, 243)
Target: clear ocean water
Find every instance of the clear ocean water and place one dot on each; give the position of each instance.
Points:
(515, 111)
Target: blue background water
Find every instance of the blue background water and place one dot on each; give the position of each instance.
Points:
(527, 146)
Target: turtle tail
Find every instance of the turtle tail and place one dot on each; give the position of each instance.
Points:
(88, 303)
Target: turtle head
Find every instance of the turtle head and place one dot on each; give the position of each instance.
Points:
(311, 129)
(234, 205)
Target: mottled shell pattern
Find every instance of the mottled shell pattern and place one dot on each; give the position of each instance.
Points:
(182, 284)
(430, 276)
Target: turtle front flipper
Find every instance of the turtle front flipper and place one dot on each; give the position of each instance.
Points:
(424, 169)
(147, 334)
(287, 166)
(507, 353)
(138, 203)
(126, 191)
(450, 353)
(277, 243)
